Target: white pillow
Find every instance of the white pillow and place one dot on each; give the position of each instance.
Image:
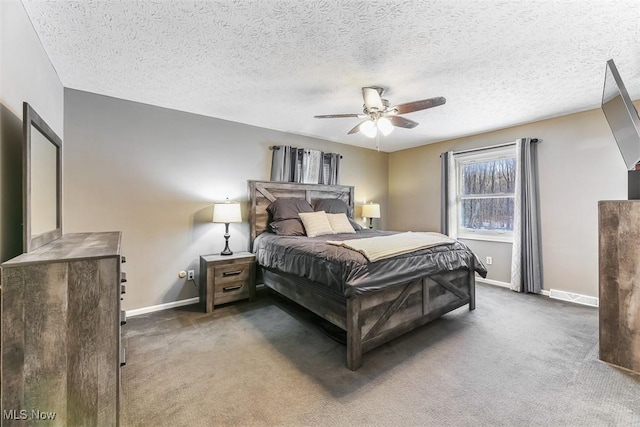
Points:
(316, 223)
(340, 223)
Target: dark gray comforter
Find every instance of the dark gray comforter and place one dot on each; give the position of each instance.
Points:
(349, 272)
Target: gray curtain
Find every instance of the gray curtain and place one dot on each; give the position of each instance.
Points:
(448, 206)
(330, 168)
(291, 164)
(526, 263)
(281, 163)
(444, 192)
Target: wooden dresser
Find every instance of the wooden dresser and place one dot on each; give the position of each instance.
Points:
(619, 304)
(61, 323)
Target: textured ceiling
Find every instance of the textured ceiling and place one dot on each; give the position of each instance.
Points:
(276, 64)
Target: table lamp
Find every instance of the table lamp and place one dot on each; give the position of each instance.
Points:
(226, 213)
(371, 210)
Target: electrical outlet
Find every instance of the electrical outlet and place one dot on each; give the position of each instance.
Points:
(489, 260)
(191, 274)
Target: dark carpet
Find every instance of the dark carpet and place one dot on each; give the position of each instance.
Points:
(517, 360)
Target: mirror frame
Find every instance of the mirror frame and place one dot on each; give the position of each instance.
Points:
(31, 118)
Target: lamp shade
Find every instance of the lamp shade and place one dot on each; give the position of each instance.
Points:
(371, 210)
(226, 212)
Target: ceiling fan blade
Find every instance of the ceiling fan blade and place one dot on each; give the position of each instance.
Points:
(401, 122)
(372, 100)
(338, 116)
(410, 107)
(356, 129)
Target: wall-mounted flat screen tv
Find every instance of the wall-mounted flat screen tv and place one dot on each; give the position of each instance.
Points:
(622, 116)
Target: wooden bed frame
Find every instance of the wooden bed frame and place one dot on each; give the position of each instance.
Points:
(376, 317)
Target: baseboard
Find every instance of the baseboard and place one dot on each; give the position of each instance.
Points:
(160, 307)
(503, 284)
(493, 282)
(575, 298)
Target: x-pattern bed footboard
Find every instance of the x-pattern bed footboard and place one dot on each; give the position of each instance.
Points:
(373, 319)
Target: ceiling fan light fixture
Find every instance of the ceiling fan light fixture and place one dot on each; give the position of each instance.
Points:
(385, 126)
(382, 118)
(369, 128)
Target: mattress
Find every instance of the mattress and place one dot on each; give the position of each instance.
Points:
(348, 272)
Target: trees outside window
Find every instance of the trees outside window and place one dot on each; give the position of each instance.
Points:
(485, 196)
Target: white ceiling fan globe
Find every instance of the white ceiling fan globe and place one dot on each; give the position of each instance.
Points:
(384, 125)
(369, 128)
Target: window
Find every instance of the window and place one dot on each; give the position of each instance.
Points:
(485, 194)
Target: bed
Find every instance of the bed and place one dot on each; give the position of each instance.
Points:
(373, 302)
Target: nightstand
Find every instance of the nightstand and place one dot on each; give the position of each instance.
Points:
(226, 278)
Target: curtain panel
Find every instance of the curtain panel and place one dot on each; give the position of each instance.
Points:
(526, 257)
(304, 165)
(448, 202)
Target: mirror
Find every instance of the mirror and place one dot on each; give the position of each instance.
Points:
(41, 180)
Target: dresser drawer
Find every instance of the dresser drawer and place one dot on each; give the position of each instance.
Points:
(231, 274)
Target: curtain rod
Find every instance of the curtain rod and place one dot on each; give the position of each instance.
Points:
(275, 147)
(471, 150)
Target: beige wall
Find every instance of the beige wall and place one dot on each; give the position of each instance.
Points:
(579, 164)
(154, 174)
(27, 75)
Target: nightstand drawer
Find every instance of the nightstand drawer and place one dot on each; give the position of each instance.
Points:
(226, 278)
(231, 274)
(232, 292)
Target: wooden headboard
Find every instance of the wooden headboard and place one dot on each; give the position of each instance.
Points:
(262, 193)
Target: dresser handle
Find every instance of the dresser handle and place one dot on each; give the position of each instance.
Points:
(123, 289)
(123, 317)
(123, 259)
(231, 273)
(232, 288)
(123, 276)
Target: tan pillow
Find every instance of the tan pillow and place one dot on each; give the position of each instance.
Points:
(316, 223)
(340, 223)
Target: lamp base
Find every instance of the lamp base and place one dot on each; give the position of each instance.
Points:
(226, 250)
(371, 223)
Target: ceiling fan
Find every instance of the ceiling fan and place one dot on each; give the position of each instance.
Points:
(380, 116)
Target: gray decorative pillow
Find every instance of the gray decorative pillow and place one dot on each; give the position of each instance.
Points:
(287, 227)
(355, 225)
(333, 206)
(286, 208)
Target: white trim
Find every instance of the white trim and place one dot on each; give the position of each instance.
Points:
(489, 147)
(494, 152)
(575, 298)
(160, 307)
(503, 284)
(487, 238)
(493, 282)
